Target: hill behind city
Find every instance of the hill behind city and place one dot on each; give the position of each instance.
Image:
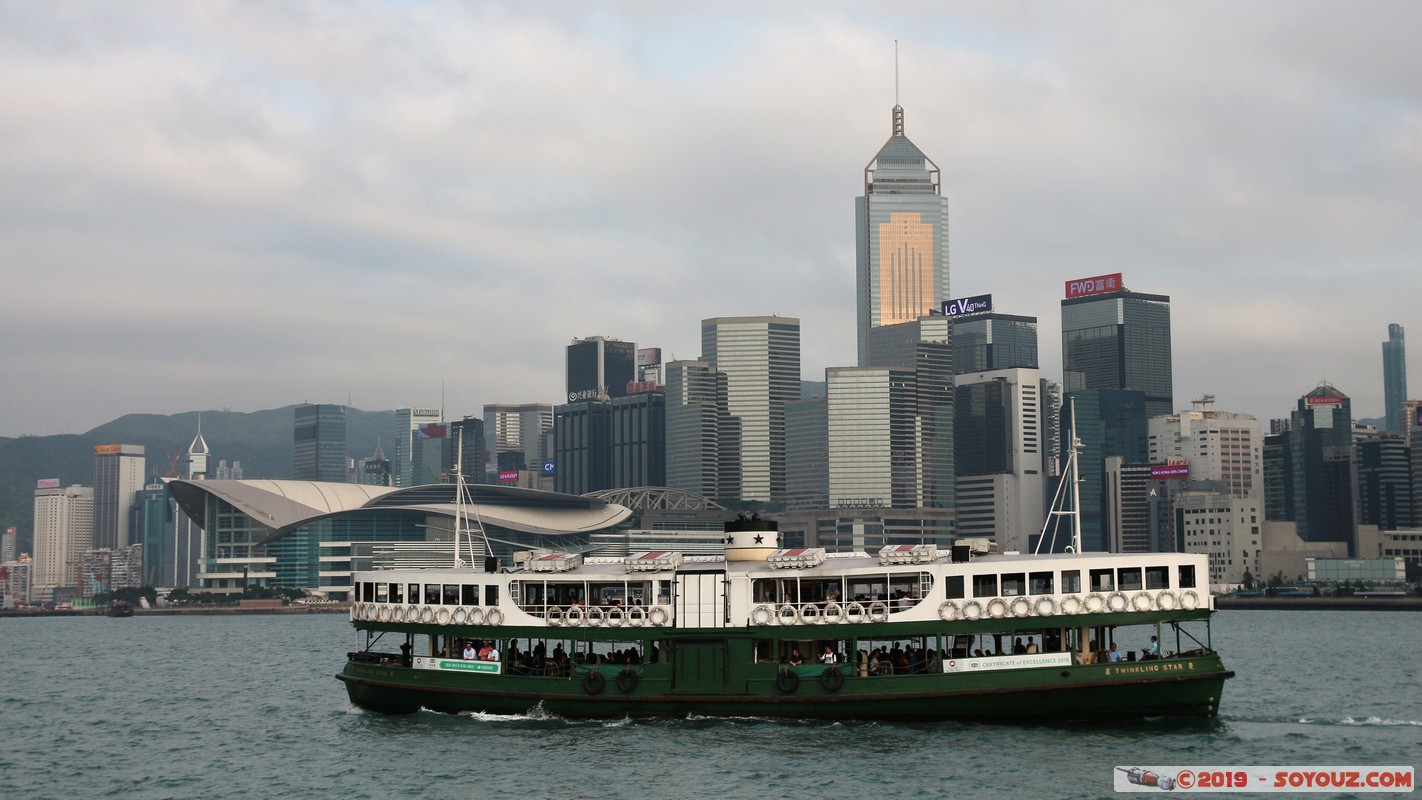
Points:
(260, 440)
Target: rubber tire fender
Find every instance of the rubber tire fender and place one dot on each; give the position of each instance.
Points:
(627, 680)
(787, 681)
(593, 682)
(832, 679)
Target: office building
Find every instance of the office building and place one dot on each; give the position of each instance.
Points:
(1127, 506)
(1385, 482)
(599, 367)
(1214, 445)
(1316, 451)
(466, 450)
(901, 237)
(760, 358)
(925, 346)
(319, 443)
(9, 545)
(1109, 422)
(807, 454)
(64, 530)
(1394, 377)
(999, 463)
(1117, 339)
(377, 469)
(515, 439)
(118, 475)
(408, 424)
(991, 341)
(695, 408)
(1225, 526)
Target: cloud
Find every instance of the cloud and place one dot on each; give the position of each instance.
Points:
(247, 205)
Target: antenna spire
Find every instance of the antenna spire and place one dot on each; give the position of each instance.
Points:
(896, 72)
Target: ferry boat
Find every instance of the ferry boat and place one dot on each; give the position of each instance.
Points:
(912, 632)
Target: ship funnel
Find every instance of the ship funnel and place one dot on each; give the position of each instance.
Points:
(750, 538)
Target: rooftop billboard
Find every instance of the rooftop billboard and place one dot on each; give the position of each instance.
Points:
(1082, 287)
(976, 304)
(1165, 472)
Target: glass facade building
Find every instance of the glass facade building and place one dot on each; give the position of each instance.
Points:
(1119, 340)
(1109, 422)
(1394, 376)
(600, 367)
(319, 443)
(760, 357)
(901, 238)
(984, 342)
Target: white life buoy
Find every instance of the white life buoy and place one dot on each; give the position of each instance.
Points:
(476, 616)
(972, 610)
(1071, 604)
(382, 614)
(947, 610)
(615, 617)
(636, 615)
(997, 608)
(427, 615)
(878, 612)
(1165, 601)
(1117, 602)
(787, 615)
(595, 616)
(1045, 607)
(412, 614)
(762, 615)
(854, 613)
(1141, 601)
(574, 617)
(494, 617)
(833, 613)
(1094, 603)
(460, 616)
(442, 616)
(1189, 600)
(657, 616)
(553, 616)
(1021, 607)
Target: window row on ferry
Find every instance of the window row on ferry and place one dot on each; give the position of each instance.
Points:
(1069, 581)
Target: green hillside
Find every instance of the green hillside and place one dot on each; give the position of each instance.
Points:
(261, 440)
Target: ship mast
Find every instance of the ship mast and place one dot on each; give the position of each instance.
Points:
(1071, 471)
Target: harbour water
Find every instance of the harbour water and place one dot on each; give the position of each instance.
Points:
(228, 707)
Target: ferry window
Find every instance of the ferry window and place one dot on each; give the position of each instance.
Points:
(955, 587)
(413, 592)
(1102, 580)
(382, 593)
(763, 590)
(1071, 580)
(984, 586)
(1130, 578)
(397, 593)
(904, 589)
(469, 595)
(866, 588)
(1157, 577)
(1041, 583)
(491, 595)
(451, 594)
(431, 594)
(367, 591)
(1187, 576)
(1013, 584)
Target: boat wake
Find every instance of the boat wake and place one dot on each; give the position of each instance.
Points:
(1366, 722)
(535, 714)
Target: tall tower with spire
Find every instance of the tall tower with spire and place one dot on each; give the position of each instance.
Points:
(901, 237)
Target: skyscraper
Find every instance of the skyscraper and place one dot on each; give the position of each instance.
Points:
(118, 475)
(760, 357)
(600, 367)
(514, 436)
(925, 345)
(1394, 376)
(64, 529)
(901, 237)
(1320, 498)
(696, 401)
(999, 461)
(991, 341)
(1109, 422)
(408, 422)
(319, 443)
(1113, 338)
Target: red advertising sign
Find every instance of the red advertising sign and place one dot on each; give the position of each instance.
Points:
(46, 483)
(508, 476)
(1081, 287)
(1323, 401)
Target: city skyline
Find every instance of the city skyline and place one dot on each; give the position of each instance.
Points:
(433, 201)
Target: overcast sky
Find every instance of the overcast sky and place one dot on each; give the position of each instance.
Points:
(246, 205)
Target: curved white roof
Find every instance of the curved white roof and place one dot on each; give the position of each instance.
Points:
(287, 505)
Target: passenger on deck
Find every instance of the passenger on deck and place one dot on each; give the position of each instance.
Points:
(794, 660)
(828, 656)
(1115, 654)
(484, 651)
(1151, 652)
(493, 654)
(469, 652)
(1018, 648)
(1031, 646)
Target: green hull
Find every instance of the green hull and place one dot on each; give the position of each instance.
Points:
(1188, 686)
